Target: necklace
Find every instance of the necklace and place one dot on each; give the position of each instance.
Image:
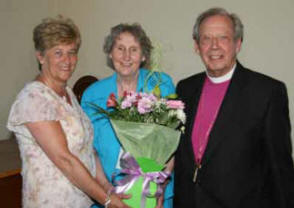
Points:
(131, 86)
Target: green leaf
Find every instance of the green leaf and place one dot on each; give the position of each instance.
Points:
(172, 96)
(99, 109)
(156, 91)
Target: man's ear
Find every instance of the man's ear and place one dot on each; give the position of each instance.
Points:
(238, 45)
(196, 47)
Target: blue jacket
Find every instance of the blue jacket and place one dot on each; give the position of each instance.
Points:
(105, 141)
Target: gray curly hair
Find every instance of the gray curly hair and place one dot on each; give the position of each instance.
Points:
(139, 34)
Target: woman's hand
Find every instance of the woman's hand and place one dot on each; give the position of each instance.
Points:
(51, 138)
(108, 187)
(169, 168)
(160, 200)
(159, 203)
(116, 201)
(124, 196)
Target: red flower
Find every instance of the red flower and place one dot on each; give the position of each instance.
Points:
(125, 94)
(111, 102)
(138, 97)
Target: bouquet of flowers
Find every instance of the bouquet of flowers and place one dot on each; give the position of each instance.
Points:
(148, 129)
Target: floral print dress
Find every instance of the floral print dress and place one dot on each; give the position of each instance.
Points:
(44, 185)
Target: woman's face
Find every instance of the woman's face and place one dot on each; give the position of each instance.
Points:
(59, 62)
(126, 55)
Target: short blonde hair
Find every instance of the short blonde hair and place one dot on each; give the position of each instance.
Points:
(54, 31)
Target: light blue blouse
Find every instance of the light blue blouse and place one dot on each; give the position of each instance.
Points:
(105, 141)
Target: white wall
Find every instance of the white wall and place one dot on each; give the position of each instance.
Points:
(267, 47)
(17, 63)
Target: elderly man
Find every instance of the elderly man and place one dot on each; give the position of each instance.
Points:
(236, 150)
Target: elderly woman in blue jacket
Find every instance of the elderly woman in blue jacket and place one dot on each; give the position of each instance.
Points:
(128, 51)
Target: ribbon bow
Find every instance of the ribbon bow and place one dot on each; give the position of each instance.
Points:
(132, 170)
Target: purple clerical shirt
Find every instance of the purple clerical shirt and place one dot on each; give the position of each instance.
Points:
(210, 101)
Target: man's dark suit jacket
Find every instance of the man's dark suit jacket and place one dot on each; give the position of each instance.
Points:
(247, 162)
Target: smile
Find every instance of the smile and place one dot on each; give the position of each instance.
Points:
(126, 64)
(215, 57)
(65, 68)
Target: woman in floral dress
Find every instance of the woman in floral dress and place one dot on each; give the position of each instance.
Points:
(54, 135)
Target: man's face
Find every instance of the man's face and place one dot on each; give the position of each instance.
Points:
(217, 47)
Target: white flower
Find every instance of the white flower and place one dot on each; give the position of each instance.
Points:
(181, 115)
(172, 113)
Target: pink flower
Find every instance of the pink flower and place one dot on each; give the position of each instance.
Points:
(144, 105)
(150, 97)
(175, 104)
(129, 100)
(111, 102)
(126, 104)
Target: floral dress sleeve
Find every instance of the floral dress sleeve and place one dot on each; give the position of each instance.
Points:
(34, 103)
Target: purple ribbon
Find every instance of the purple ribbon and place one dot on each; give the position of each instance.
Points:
(132, 170)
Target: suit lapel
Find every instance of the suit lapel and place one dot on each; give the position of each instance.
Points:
(192, 105)
(222, 124)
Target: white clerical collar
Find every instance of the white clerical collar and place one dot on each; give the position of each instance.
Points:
(223, 78)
